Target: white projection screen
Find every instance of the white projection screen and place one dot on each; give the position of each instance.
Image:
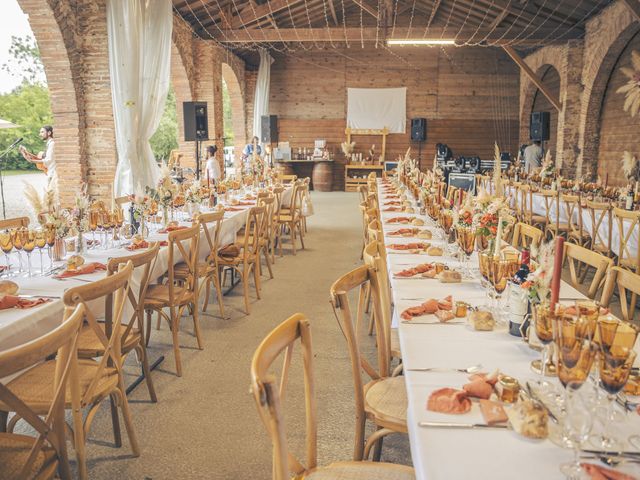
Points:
(377, 108)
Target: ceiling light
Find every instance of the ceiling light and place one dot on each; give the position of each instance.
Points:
(419, 41)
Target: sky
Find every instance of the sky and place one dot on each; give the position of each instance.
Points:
(12, 22)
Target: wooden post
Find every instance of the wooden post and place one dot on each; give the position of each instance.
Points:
(634, 6)
(532, 76)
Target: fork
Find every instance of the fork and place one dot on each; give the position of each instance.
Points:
(471, 369)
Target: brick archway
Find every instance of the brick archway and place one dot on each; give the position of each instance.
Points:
(594, 96)
(528, 98)
(53, 25)
(238, 123)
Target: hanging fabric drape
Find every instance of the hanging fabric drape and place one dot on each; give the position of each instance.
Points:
(139, 38)
(261, 99)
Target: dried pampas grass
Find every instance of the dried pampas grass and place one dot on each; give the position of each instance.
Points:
(631, 89)
(34, 199)
(629, 165)
(348, 148)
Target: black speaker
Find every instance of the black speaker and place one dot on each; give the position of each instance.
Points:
(418, 129)
(196, 124)
(540, 129)
(269, 129)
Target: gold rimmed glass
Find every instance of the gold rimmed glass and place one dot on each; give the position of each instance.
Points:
(16, 238)
(28, 238)
(50, 237)
(41, 243)
(467, 241)
(543, 324)
(6, 244)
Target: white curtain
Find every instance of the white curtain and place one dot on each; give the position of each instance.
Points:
(377, 108)
(139, 37)
(261, 99)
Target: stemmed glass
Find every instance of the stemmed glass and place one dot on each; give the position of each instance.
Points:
(16, 239)
(577, 424)
(28, 244)
(6, 244)
(543, 322)
(94, 216)
(467, 242)
(41, 242)
(499, 275)
(50, 236)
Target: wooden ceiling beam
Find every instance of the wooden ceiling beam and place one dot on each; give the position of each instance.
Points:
(250, 14)
(370, 10)
(533, 77)
(332, 10)
(501, 36)
(634, 7)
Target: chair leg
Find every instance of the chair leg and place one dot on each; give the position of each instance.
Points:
(216, 284)
(148, 328)
(245, 287)
(126, 416)
(117, 435)
(196, 325)
(256, 276)
(206, 294)
(292, 233)
(78, 440)
(142, 352)
(176, 344)
(301, 236)
(268, 261)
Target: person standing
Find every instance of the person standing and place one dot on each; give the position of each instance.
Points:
(533, 155)
(247, 151)
(44, 160)
(213, 166)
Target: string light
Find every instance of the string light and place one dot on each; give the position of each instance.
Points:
(344, 24)
(413, 11)
(420, 41)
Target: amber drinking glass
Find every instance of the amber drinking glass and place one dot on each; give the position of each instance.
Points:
(41, 243)
(28, 244)
(543, 322)
(467, 242)
(16, 238)
(6, 244)
(94, 217)
(50, 237)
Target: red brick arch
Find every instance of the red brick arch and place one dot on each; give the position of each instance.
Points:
(236, 95)
(53, 25)
(528, 98)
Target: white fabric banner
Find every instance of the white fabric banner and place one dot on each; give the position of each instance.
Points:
(377, 108)
(139, 37)
(261, 98)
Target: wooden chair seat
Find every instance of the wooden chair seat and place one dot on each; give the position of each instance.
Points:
(35, 386)
(14, 451)
(386, 401)
(238, 259)
(561, 227)
(361, 471)
(158, 295)
(287, 217)
(90, 346)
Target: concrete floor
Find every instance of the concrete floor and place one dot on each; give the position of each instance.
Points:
(205, 424)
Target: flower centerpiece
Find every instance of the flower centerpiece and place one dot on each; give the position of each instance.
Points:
(488, 212)
(140, 204)
(164, 192)
(194, 195)
(538, 282)
(548, 169)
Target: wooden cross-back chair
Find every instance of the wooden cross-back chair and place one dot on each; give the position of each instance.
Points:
(626, 282)
(277, 192)
(90, 381)
(247, 254)
(363, 213)
(208, 269)
(18, 222)
(549, 201)
(525, 235)
(628, 224)
(292, 221)
(383, 399)
(284, 179)
(268, 202)
(581, 258)
(600, 214)
(132, 332)
(305, 198)
(269, 394)
(571, 229)
(363, 191)
(45, 454)
(524, 211)
(178, 290)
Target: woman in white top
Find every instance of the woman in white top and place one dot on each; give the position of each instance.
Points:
(44, 160)
(213, 166)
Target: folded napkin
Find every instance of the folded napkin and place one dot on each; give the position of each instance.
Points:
(399, 220)
(451, 400)
(229, 251)
(403, 232)
(392, 203)
(392, 209)
(409, 246)
(13, 301)
(143, 244)
(85, 269)
(424, 269)
(596, 472)
(431, 306)
(232, 209)
(172, 228)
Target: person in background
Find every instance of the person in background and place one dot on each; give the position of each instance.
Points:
(45, 161)
(213, 166)
(533, 155)
(247, 151)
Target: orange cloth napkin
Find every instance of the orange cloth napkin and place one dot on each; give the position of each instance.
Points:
(431, 306)
(172, 228)
(229, 251)
(143, 244)
(83, 270)
(232, 209)
(13, 301)
(596, 472)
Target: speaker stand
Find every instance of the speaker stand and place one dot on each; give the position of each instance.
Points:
(419, 152)
(198, 148)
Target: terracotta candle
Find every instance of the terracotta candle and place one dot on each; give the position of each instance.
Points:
(557, 271)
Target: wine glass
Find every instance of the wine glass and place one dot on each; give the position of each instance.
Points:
(50, 235)
(94, 216)
(577, 425)
(6, 244)
(467, 242)
(615, 367)
(16, 238)
(41, 242)
(28, 244)
(543, 324)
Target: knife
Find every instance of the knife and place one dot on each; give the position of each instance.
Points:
(624, 454)
(411, 322)
(38, 296)
(535, 398)
(461, 425)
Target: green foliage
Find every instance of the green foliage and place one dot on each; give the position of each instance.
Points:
(25, 61)
(165, 137)
(27, 106)
(227, 115)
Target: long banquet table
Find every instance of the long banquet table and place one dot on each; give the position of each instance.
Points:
(453, 453)
(20, 326)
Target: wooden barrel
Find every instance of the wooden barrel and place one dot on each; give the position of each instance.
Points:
(322, 176)
(284, 168)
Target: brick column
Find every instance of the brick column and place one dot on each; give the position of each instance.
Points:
(216, 129)
(571, 89)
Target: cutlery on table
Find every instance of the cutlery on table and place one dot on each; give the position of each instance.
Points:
(74, 278)
(611, 460)
(607, 453)
(537, 400)
(461, 425)
(413, 322)
(38, 296)
(471, 369)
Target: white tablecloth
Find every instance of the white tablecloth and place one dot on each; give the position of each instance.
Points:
(19, 326)
(446, 454)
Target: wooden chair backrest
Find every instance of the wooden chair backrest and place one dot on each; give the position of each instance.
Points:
(253, 230)
(120, 201)
(524, 204)
(525, 235)
(267, 219)
(17, 222)
(550, 198)
(277, 192)
(570, 206)
(575, 253)
(375, 258)
(114, 289)
(145, 261)
(626, 281)
(339, 294)
(183, 247)
(628, 228)
(363, 191)
(287, 178)
(601, 217)
(269, 392)
(212, 221)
